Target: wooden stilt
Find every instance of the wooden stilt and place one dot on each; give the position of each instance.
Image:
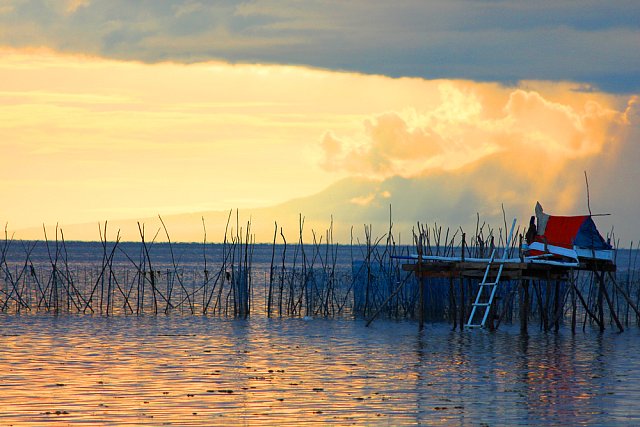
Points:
(588, 312)
(557, 306)
(463, 313)
(524, 305)
(452, 304)
(603, 291)
(574, 305)
(420, 286)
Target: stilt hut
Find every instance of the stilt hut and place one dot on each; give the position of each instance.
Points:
(554, 250)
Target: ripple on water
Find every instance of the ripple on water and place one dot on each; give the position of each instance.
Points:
(199, 371)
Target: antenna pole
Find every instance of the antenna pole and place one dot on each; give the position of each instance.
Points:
(588, 198)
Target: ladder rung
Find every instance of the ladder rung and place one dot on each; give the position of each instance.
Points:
(488, 275)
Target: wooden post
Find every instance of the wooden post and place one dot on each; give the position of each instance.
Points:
(547, 305)
(524, 306)
(600, 303)
(574, 305)
(557, 306)
(603, 291)
(588, 312)
(452, 304)
(420, 285)
(462, 296)
(520, 251)
(462, 308)
(544, 323)
(491, 325)
(271, 270)
(463, 247)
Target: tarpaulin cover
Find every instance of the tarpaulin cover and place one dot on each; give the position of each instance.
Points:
(569, 231)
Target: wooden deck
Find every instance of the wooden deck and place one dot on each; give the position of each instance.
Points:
(511, 271)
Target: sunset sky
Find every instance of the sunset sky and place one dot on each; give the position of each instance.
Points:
(125, 110)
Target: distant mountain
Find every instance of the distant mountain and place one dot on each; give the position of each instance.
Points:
(351, 204)
(451, 199)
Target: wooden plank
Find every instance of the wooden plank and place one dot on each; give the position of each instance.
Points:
(511, 271)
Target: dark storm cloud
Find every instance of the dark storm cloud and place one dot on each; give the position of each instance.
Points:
(589, 41)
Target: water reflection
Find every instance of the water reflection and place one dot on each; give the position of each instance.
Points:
(198, 371)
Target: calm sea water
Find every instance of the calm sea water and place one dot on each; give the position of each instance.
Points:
(198, 371)
(187, 370)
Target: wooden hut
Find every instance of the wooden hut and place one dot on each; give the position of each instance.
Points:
(555, 249)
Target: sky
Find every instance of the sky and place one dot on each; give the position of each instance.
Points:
(442, 111)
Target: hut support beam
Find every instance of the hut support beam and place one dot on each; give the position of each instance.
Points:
(586, 307)
(603, 290)
(524, 305)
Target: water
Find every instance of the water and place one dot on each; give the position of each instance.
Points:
(195, 370)
(192, 254)
(198, 371)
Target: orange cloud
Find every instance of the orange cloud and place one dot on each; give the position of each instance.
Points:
(472, 122)
(73, 5)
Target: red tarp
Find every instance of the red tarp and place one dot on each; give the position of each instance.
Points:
(562, 230)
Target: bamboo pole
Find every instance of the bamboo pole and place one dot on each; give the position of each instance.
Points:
(603, 290)
(175, 270)
(524, 306)
(271, 270)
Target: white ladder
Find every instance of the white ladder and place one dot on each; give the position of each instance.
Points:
(488, 288)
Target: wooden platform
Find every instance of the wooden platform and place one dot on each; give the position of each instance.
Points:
(511, 271)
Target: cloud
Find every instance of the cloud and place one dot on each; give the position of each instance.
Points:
(506, 41)
(388, 147)
(188, 8)
(469, 124)
(493, 145)
(6, 7)
(94, 139)
(74, 5)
